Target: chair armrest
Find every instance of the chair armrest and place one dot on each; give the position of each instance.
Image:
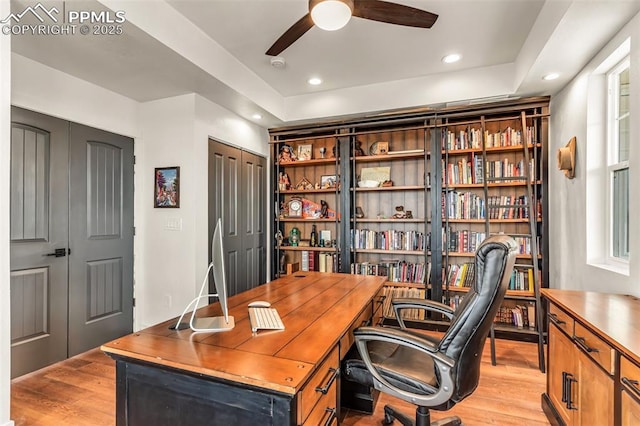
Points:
(443, 363)
(428, 305)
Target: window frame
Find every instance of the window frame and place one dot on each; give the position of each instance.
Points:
(613, 162)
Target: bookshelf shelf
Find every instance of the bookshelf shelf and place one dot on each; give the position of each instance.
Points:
(516, 294)
(390, 252)
(306, 163)
(301, 219)
(302, 248)
(391, 188)
(310, 191)
(499, 149)
(389, 157)
(365, 220)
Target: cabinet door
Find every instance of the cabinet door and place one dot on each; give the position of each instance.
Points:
(594, 393)
(630, 410)
(561, 362)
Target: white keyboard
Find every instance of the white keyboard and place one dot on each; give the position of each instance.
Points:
(265, 319)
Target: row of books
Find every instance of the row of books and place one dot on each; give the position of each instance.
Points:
(389, 240)
(472, 138)
(460, 275)
(463, 205)
(318, 261)
(508, 207)
(400, 292)
(520, 316)
(395, 270)
(465, 171)
(463, 274)
(506, 169)
(463, 241)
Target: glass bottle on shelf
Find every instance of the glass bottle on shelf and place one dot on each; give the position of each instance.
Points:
(313, 242)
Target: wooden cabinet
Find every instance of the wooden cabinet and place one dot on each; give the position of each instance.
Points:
(594, 365)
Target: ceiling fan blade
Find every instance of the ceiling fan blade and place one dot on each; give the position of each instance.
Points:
(296, 31)
(392, 13)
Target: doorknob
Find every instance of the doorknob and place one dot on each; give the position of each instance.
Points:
(60, 252)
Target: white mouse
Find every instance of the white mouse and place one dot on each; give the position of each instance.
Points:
(259, 304)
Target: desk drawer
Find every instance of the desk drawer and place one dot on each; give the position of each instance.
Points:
(595, 347)
(561, 319)
(319, 386)
(630, 376)
(325, 412)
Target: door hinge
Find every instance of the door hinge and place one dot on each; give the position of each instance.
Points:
(134, 302)
(134, 159)
(134, 231)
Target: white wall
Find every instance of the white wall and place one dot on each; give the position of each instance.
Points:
(175, 132)
(5, 158)
(572, 114)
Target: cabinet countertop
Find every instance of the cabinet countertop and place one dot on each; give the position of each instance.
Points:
(615, 317)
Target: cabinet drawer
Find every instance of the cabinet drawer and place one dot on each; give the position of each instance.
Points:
(319, 385)
(630, 410)
(630, 376)
(561, 319)
(325, 411)
(595, 347)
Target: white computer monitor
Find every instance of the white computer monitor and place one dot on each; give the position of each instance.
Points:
(217, 323)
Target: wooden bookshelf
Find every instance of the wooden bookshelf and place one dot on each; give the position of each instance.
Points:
(490, 134)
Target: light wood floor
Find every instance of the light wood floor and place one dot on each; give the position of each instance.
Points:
(81, 391)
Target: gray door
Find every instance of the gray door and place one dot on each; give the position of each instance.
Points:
(237, 191)
(71, 191)
(100, 237)
(39, 226)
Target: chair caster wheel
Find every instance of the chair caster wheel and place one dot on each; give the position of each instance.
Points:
(388, 417)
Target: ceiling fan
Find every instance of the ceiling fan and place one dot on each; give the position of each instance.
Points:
(334, 14)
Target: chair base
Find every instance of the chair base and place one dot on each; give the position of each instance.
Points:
(423, 418)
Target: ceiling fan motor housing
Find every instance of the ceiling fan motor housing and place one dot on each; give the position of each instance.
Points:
(313, 3)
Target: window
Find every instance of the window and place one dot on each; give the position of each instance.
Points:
(618, 130)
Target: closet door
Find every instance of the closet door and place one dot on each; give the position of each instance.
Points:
(101, 237)
(39, 229)
(237, 190)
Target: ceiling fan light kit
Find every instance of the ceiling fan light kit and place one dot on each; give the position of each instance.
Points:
(374, 10)
(331, 15)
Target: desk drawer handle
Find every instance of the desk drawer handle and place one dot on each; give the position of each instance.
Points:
(332, 417)
(323, 390)
(633, 385)
(554, 319)
(583, 344)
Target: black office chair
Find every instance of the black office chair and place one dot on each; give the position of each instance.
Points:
(431, 373)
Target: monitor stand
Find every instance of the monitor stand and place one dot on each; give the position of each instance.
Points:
(212, 324)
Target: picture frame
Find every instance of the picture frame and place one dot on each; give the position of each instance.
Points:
(328, 181)
(166, 187)
(305, 152)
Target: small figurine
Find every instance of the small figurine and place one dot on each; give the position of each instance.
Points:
(279, 237)
(304, 184)
(409, 215)
(357, 149)
(323, 151)
(284, 210)
(286, 155)
(324, 211)
(387, 183)
(359, 213)
(400, 213)
(283, 181)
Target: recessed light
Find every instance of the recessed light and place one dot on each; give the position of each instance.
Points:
(551, 76)
(449, 59)
(257, 116)
(314, 81)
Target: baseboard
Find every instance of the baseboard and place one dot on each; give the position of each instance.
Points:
(9, 423)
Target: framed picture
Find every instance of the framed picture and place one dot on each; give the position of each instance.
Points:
(305, 152)
(328, 181)
(166, 188)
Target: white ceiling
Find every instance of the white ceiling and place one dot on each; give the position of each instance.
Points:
(216, 48)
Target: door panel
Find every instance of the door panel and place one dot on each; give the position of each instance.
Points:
(101, 237)
(39, 225)
(237, 191)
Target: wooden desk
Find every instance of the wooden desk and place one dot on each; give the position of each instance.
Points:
(594, 358)
(168, 377)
